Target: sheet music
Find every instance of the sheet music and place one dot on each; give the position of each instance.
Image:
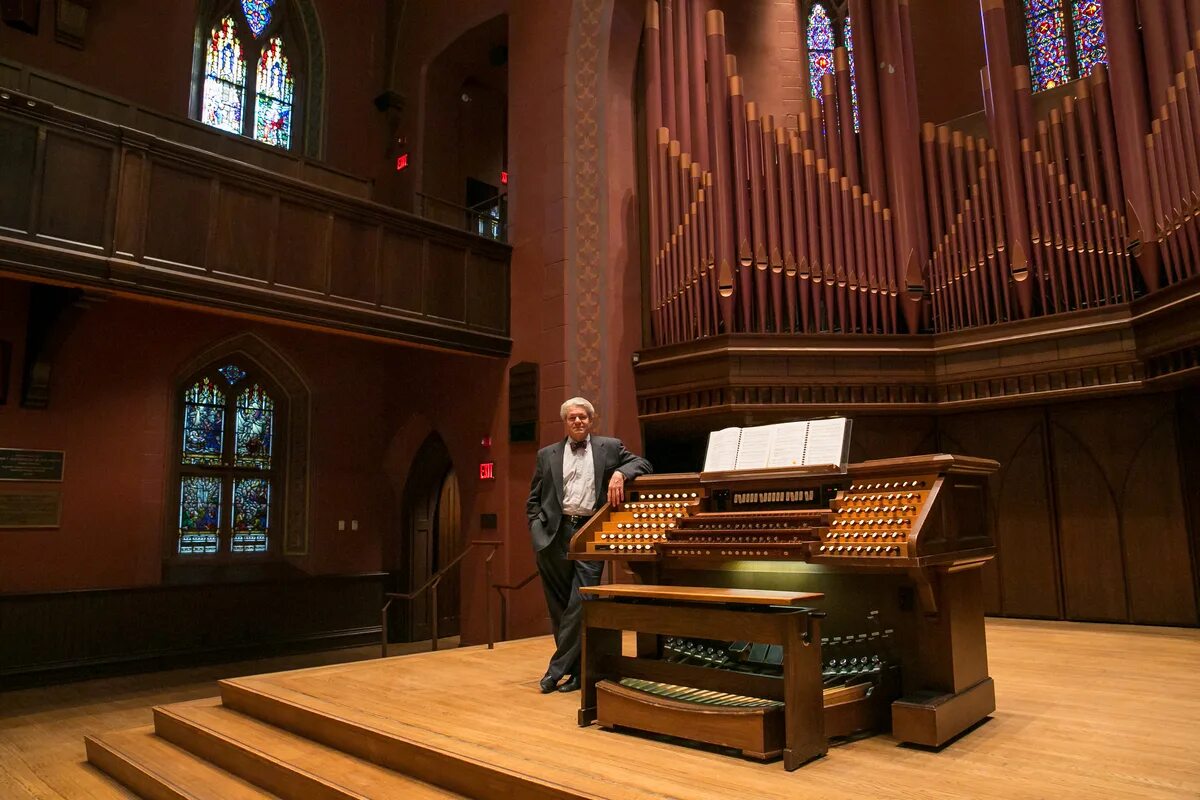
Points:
(788, 444)
(826, 441)
(755, 446)
(722, 450)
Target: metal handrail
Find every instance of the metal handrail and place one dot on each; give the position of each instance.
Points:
(432, 585)
(500, 589)
(462, 217)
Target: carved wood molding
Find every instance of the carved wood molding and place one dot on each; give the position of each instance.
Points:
(1150, 345)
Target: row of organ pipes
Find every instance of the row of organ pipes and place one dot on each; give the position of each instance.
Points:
(812, 224)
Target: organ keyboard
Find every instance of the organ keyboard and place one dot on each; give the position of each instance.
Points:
(893, 549)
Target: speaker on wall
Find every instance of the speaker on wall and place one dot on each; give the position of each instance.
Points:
(523, 402)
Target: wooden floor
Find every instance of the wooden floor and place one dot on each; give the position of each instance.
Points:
(1082, 711)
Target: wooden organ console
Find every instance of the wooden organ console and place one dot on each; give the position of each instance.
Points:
(887, 557)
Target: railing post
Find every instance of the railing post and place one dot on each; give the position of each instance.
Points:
(503, 616)
(383, 627)
(487, 597)
(433, 623)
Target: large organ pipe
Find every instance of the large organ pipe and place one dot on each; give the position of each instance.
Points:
(1127, 79)
(868, 98)
(699, 108)
(787, 215)
(824, 298)
(718, 100)
(741, 201)
(1177, 27)
(845, 107)
(1106, 130)
(816, 234)
(758, 220)
(683, 92)
(771, 208)
(1004, 135)
(653, 70)
(670, 116)
(829, 123)
(1156, 44)
(800, 217)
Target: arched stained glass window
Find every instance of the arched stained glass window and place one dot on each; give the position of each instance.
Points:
(273, 106)
(224, 79)
(820, 46)
(824, 34)
(227, 463)
(258, 14)
(1063, 46)
(260, 101)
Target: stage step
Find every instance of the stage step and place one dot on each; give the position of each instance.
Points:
(289, 765)
(456, 765)
(155, 769)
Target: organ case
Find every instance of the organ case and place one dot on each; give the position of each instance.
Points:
(894, 547)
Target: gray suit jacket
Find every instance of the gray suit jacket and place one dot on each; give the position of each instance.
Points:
(544, 506)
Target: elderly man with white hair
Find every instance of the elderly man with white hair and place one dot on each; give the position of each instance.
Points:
(573, 478)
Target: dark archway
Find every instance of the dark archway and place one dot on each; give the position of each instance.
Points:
(431, 528)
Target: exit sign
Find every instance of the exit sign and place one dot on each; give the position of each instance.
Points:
(487, 471)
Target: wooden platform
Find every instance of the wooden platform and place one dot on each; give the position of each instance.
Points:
(1083, 711)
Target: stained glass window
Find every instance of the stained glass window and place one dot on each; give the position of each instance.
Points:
(273, 106)
(249, 80)
(255, 418)
(1062, 48)
(232, 373)
(203, 423)
(1091, 46)
(258, 14)
(251, 515)
(224, 79)
(820, 46)
(199, 514)
(853, 81)
(227, 479)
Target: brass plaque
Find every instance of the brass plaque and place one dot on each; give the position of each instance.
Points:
(30, 509)
(31, 465)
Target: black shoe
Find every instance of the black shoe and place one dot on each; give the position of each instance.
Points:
(572, 684)
(547, 683)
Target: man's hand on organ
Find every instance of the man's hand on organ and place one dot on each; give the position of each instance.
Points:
(616, 490)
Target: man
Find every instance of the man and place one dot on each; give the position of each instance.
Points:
(572, 479)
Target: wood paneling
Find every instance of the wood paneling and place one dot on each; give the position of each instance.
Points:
(353, 265)
(177, 216)
(245, 231)
(1155, 531)
(402, 271)
(487, 280)
(444, 281)
(303, 261)
(18, 146)
(75, 190)
(71, 634)
(1023, 579)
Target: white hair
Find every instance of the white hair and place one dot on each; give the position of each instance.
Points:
(581, 402)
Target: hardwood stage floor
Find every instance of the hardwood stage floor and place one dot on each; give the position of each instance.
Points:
(1083, 710)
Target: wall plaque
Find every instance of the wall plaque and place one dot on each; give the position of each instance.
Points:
(30, 509)
(31, 465)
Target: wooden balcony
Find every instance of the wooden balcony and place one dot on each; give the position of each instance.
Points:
(101, 205)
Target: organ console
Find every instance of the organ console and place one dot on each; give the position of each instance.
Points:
(888, 556)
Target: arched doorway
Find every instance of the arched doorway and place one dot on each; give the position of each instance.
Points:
(431, 517)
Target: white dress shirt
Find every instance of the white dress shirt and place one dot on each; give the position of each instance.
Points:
(579, 480)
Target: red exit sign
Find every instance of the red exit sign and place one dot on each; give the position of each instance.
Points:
(487, 471)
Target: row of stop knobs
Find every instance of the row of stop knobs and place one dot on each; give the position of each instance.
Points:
(860, 549)
(867, 535)
(867, 487)
(870, 523)
(618, 536)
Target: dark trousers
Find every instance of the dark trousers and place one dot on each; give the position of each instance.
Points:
(561, 579)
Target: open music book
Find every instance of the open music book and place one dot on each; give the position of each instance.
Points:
(808, 443)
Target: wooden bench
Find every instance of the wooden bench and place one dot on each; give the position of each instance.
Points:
(793, 728)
